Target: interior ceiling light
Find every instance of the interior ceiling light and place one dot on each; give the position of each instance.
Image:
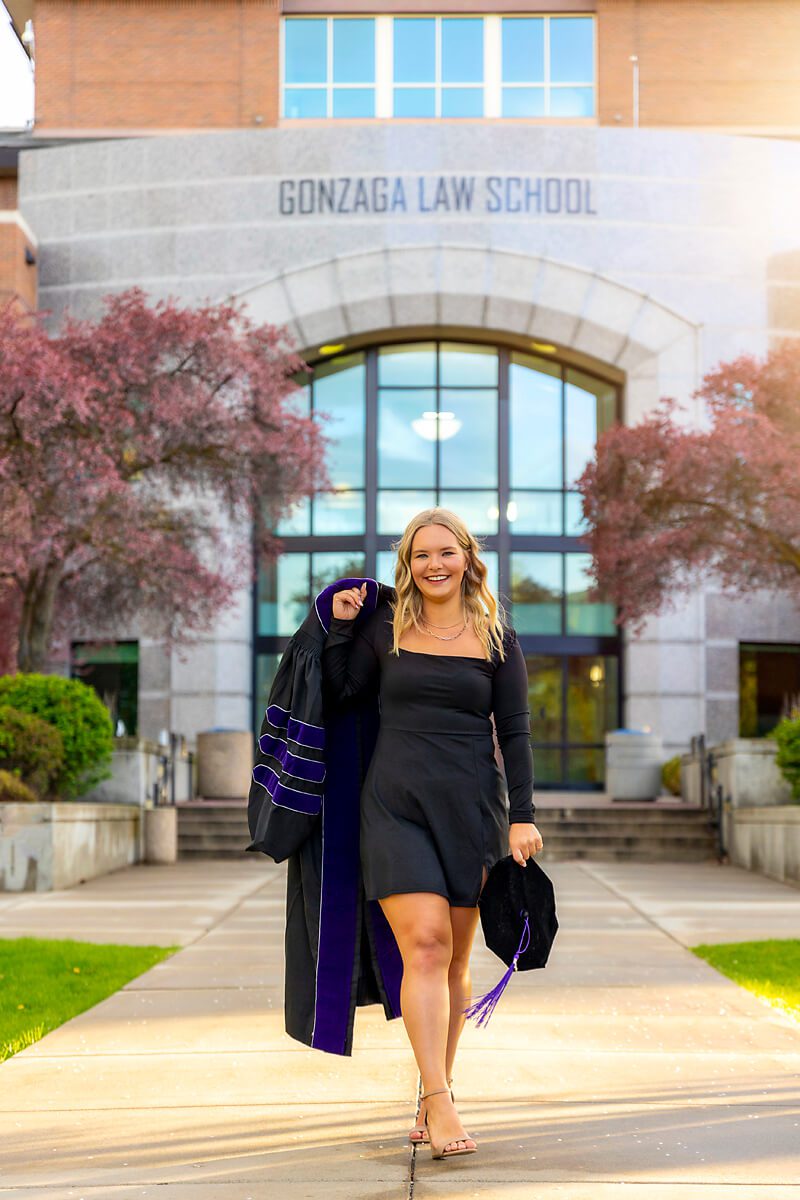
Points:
(435, 426)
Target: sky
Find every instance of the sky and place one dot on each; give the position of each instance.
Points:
(16, 80)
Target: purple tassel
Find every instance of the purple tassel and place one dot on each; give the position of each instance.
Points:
(484, 1006)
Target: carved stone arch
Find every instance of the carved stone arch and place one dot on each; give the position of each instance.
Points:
(481, 287)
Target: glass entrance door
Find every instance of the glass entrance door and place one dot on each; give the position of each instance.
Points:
(499, 437)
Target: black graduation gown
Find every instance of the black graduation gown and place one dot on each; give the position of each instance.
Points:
(304, 806)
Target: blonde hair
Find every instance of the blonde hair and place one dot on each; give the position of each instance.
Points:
(479, 603)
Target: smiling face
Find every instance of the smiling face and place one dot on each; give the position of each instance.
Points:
(437, 562)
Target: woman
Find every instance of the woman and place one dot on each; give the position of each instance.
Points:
(433, 808)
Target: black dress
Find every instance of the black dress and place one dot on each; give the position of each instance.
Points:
(434, 804)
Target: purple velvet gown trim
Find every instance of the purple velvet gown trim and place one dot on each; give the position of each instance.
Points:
(350, 744)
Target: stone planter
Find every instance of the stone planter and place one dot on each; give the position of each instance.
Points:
(161, 834)
(748, 773)
(765, 838)
(135, 768)
(49, 846)
(224, 763)
(633, 764)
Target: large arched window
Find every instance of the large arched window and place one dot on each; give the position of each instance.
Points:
(500, 437)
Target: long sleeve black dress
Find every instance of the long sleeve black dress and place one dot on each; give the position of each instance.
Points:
(434, 804)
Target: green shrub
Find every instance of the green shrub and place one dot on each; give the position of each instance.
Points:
(14, 790)
(78, 714)
(30, 748)
(671, 775)
(787, 734)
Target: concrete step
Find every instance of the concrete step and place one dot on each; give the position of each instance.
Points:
(617, 812)
(214, 837)
(625, 854)
(618, 832)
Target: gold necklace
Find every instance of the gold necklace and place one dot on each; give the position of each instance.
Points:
(452, 637)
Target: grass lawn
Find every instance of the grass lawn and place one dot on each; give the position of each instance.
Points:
(44, 982)
(769, 969)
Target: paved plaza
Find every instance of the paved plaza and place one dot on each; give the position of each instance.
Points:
(626, 1068)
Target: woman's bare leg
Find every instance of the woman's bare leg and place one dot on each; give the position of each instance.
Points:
(420, 922)
(464, 922)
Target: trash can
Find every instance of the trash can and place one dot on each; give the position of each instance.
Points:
(224, 763)
(633, 764)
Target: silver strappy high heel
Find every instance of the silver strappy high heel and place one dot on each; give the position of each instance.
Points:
(422, 1130)
(442, 1151)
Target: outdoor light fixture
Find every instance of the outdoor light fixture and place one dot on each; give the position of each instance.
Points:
(435, 426)
(543, 347)
(332, 348)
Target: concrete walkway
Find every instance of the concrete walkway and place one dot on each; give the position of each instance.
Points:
(626, 1068)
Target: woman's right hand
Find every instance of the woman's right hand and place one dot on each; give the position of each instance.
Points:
(348, 603)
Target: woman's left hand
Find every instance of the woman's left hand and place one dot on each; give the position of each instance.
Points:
(524, 840)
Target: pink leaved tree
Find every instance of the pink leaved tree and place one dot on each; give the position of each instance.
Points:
(138, 455)
(663, 500)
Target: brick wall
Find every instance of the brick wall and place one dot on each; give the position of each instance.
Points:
(156, 64)
(727, 63)
(17, 278)
(141, 64)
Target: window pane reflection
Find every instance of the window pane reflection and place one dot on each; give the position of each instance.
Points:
(546, 767)
(329, 565)
(339, 390)
(462, 102)
(545, 691)
(590, 408)
(305, 50)
(591, 697)
(477, 509)
(384, 567)
(571, 102)
(462, 49)
(300, 103)
(536, 591)
(535, 388)
(575, 523)
(411, 365)
(395, 509)
(535, 512)
(584, 616)
(414, 102)
(467, 366)
(492, 578)
(297, 522)
(339, 512)
(585, 766)
(469, 457)
(353, 102)
(266, 668)
(523, 102)
(414, 47)
(353, 51)
(523, 49)
(571, 49)
(407, 438)
(284, 595)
